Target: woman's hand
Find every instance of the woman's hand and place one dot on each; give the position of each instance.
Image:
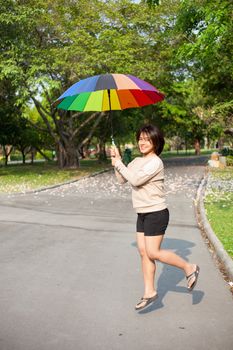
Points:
(115, 155)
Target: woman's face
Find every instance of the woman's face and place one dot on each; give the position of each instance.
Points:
(145, 145)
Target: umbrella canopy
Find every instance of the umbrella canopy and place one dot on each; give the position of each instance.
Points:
(108, 92)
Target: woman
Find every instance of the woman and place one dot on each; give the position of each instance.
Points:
(146, 176)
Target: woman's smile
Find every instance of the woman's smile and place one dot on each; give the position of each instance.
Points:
(145, 144)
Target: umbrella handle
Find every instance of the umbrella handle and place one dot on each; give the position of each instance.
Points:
(110, 115)
(113, 142)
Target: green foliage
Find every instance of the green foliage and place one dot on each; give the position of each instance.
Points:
(183, 48)
(152, 2)
(54, 44)
(229, 160)
(205, 29)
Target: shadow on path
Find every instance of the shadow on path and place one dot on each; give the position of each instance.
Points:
(170, 276)
(186, 161)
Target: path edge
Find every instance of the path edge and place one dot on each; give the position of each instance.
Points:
(206, 228)
(60, 184)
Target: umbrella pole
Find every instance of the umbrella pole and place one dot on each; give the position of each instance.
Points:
(110, 115)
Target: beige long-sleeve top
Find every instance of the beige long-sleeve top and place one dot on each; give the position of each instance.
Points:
(146, 176)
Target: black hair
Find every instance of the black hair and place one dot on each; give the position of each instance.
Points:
(155, 135)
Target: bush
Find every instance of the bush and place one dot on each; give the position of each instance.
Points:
(229, 160)
(166, 147)
(226, 151)
(15, 157)
(48, 153)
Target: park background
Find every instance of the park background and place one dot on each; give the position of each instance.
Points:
(184, 48)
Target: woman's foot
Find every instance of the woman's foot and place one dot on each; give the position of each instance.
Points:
(192, 276)
(145, 301)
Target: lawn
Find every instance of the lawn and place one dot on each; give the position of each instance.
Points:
(181, 153)
(219, 208)
(184, 153)
(20, 178)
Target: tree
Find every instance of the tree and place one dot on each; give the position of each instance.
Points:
(26, 138)
(205, 53)
(8, 131)
(49, 45)
(9, 112)
(34, 67)
(89, 38)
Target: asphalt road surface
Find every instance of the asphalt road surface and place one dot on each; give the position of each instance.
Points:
(70, 273)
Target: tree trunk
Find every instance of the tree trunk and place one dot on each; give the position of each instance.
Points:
(7, 149)
(197, 147)
(24, 157)
(67, 155)
(61, 129)
(83, 152)
(33, 154)
(102, 156)
(208, 141)
(220, 143)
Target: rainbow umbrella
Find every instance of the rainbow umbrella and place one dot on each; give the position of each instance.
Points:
(108, 92)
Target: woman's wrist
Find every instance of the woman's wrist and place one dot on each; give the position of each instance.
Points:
(118, 161)
(115, 160)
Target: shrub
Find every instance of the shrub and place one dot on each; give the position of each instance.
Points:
(166, 147)
(226, 151)
(229, 160)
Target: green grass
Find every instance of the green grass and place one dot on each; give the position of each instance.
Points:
(20, 178)
(183, 153)
(218, 204)
(222, 174)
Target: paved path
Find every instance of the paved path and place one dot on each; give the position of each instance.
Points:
(70, 273)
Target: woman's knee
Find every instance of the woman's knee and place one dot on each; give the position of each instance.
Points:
(142, 251)
(153, 254)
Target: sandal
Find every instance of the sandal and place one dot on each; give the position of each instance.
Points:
(145, 302)
(193, 274)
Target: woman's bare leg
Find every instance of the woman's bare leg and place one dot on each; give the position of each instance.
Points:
(148, 267)
(153, 243)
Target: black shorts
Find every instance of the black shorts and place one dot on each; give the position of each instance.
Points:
(154, 223)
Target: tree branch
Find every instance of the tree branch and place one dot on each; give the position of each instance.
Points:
(42, 153)
(89, 136)
(41, 106)
(47, 95)
(79, 114)
(36, 126)
(92, 116)
(43, 116)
